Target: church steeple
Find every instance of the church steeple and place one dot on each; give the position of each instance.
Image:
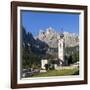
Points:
(61, 48)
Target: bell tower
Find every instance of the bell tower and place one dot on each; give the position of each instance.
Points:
(61, 49)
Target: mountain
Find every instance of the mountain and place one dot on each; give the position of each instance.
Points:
(50, 37)
(71, 39)
(36, 46)
(46, 42)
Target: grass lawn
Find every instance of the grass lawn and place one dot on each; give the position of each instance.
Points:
(63, 72)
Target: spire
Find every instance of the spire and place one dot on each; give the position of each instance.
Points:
(61, 34)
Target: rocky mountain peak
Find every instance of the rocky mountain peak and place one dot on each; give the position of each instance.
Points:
(50, 37)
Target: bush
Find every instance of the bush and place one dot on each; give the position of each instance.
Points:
(47, 66)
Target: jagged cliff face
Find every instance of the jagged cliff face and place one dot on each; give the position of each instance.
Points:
(71, 39)
(50, 36)
(35, 46)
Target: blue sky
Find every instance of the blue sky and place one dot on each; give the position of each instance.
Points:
(35, 21)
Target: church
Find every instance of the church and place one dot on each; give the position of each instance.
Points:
(60, 61)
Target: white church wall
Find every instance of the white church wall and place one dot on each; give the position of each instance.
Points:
(43, 62)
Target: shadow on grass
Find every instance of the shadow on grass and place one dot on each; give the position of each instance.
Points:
(76, 73)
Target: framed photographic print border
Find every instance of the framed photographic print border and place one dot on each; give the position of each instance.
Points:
(14, 41)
